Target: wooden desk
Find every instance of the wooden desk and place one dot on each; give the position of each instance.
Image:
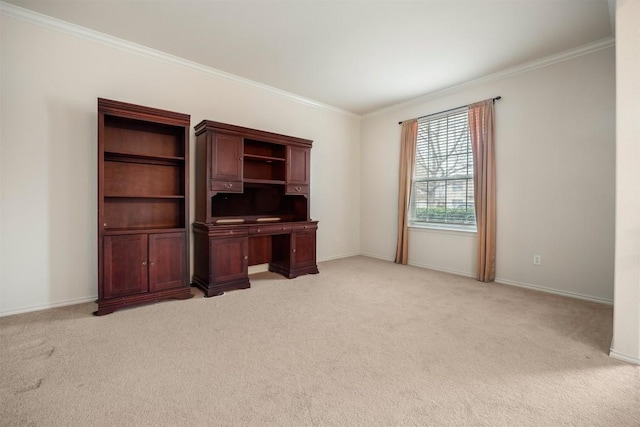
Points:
(224, 252)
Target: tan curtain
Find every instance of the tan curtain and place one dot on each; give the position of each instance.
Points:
(484, 185)
(407, 163)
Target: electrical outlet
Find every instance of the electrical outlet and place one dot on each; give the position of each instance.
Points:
(537, 259)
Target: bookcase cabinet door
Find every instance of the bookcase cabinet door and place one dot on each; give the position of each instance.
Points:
(125, 265)
(167, 268)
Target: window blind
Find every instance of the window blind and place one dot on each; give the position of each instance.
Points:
(442, 190)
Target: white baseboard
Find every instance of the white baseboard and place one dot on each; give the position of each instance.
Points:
(375, 256)
(48, 306)
(504, 281)
(337, 257)
(554, 291)
(420, 265)
(444, 270)
(624, 357)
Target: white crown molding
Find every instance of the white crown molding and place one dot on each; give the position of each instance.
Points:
(49, 22)
(16, 12)
(500, 75)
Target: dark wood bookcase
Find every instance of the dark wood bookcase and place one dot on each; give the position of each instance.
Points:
(252, 206)
(143, 205)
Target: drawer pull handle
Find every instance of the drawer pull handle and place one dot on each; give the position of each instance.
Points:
(298, 189)
(228, 186)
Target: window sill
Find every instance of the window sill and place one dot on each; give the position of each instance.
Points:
(443, 227)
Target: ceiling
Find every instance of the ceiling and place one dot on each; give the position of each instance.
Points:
(356, 55)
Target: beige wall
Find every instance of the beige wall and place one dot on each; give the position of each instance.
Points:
(626, 319)
(555, 136)
(50, 81)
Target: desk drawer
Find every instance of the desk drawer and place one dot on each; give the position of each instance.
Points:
(226, 186)
(297, 189)
(270, 229)
(227, 231)
(305, 226)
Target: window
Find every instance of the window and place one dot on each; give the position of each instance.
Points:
(442, 191)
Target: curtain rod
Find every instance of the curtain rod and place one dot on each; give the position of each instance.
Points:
(497, 98)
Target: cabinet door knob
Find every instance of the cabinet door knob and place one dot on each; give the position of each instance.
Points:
(144, 262)
(293, 250)
(150, 262)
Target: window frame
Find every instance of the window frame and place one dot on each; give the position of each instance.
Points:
(467, 178)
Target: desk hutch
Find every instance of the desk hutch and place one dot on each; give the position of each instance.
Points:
(252, 206)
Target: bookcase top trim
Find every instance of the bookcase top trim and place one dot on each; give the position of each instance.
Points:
(139, 112)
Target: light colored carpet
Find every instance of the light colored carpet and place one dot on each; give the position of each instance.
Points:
(364, 343)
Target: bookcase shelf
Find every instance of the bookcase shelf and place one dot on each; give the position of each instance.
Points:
(145, 196)
(136, 230)
(141, 158)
